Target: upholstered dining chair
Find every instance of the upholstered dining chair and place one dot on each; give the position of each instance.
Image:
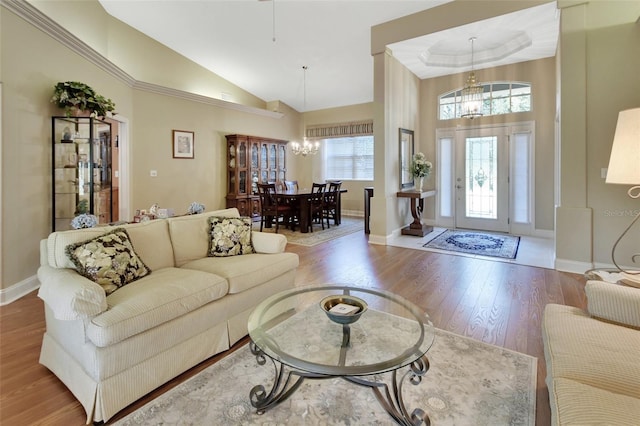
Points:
(316, 204)
(271, 208)
(330, 207)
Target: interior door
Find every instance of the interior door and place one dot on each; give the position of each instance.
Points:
(482, 179)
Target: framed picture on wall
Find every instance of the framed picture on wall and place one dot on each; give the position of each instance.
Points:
(183, 144)
(405, 141)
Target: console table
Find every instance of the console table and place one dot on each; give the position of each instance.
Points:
(416, 227)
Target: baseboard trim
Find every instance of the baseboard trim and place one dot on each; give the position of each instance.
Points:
(18, 290)
(566, 265)
(544, 233)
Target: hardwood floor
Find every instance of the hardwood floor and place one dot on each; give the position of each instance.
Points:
(496, 302)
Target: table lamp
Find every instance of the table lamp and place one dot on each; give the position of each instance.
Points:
(624, 169)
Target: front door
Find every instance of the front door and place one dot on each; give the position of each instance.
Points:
(482, 180)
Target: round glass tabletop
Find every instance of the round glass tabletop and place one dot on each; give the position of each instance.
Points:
(293, 328)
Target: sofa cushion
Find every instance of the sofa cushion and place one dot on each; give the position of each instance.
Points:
(166, 294)
(581, 405)
(590, 351)
(614, 302)
(245, 272)
(190, 234)
(229, 236)
(58, 241)
(152, 242)
(108, 260)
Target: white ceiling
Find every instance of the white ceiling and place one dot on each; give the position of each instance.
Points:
(234, 39)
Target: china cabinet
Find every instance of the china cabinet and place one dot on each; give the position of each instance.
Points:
(252, 160)
(81, 170)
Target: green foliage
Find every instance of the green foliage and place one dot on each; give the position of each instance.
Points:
(72, 95)
(82, 207)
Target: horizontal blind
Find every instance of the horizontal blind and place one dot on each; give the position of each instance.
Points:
(349, 158)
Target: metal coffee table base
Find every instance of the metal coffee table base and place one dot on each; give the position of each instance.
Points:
(288, 380)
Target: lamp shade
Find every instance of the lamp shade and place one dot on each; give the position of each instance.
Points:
(624, 163)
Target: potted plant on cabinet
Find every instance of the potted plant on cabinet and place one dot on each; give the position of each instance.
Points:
(74, 96)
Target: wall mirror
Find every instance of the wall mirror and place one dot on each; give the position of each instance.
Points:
(406, 154)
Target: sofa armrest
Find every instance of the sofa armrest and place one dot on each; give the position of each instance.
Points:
(264, 242)
(614, 302)
(69, 295)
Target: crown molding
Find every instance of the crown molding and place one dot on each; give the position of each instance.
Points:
(163, 90)
(35, 17)
(39, 20)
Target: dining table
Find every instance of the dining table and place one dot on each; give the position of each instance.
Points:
(303, 195)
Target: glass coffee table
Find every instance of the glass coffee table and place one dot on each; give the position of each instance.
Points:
(388, 337)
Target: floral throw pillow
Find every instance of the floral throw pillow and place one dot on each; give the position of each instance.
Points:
(108, 260)
(229, 236)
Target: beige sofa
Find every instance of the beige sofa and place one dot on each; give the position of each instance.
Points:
(111, 350)
(593, 358)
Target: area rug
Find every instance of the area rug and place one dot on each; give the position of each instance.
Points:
(348, 225)
(474, 242)
(469, 383)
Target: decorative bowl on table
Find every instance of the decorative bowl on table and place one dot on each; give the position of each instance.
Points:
(343, 308)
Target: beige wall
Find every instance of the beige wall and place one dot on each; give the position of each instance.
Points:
(599, 59)
(541, 75)
(32, 63)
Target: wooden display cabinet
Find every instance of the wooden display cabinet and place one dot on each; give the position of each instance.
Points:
(252, 160)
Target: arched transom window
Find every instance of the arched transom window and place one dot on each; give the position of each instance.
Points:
(501, 97)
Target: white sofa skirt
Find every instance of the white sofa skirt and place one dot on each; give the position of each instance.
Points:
(106, 380)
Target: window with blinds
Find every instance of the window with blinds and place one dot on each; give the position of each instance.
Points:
(348, 158)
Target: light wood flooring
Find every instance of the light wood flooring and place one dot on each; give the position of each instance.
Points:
(496, 302)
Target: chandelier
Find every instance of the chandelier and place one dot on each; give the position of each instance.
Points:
(306, 147)
(471, 93)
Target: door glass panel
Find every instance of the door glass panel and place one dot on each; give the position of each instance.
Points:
(446, 176)
(481, 177)
(520, 177)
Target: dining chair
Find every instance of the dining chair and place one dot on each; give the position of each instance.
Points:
(279, 185)
(291, 185)
(330, 207)
(316, 204)
(271, 208)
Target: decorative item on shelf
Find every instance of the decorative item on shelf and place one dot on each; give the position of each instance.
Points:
(306, 147)
(343, 308)
(420, 168)
(195, 208)
(624, 170)
(66, 135)
(82, 207)
(84, 220)
(74, 96)
(153, 210)
(472, 93)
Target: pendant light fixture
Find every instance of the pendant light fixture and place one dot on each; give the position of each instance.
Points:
(306, 147)
(471, 103)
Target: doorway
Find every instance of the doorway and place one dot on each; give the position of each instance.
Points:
(482, 176)
(485, 178)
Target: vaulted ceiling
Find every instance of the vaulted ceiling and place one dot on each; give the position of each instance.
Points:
(262, 46)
